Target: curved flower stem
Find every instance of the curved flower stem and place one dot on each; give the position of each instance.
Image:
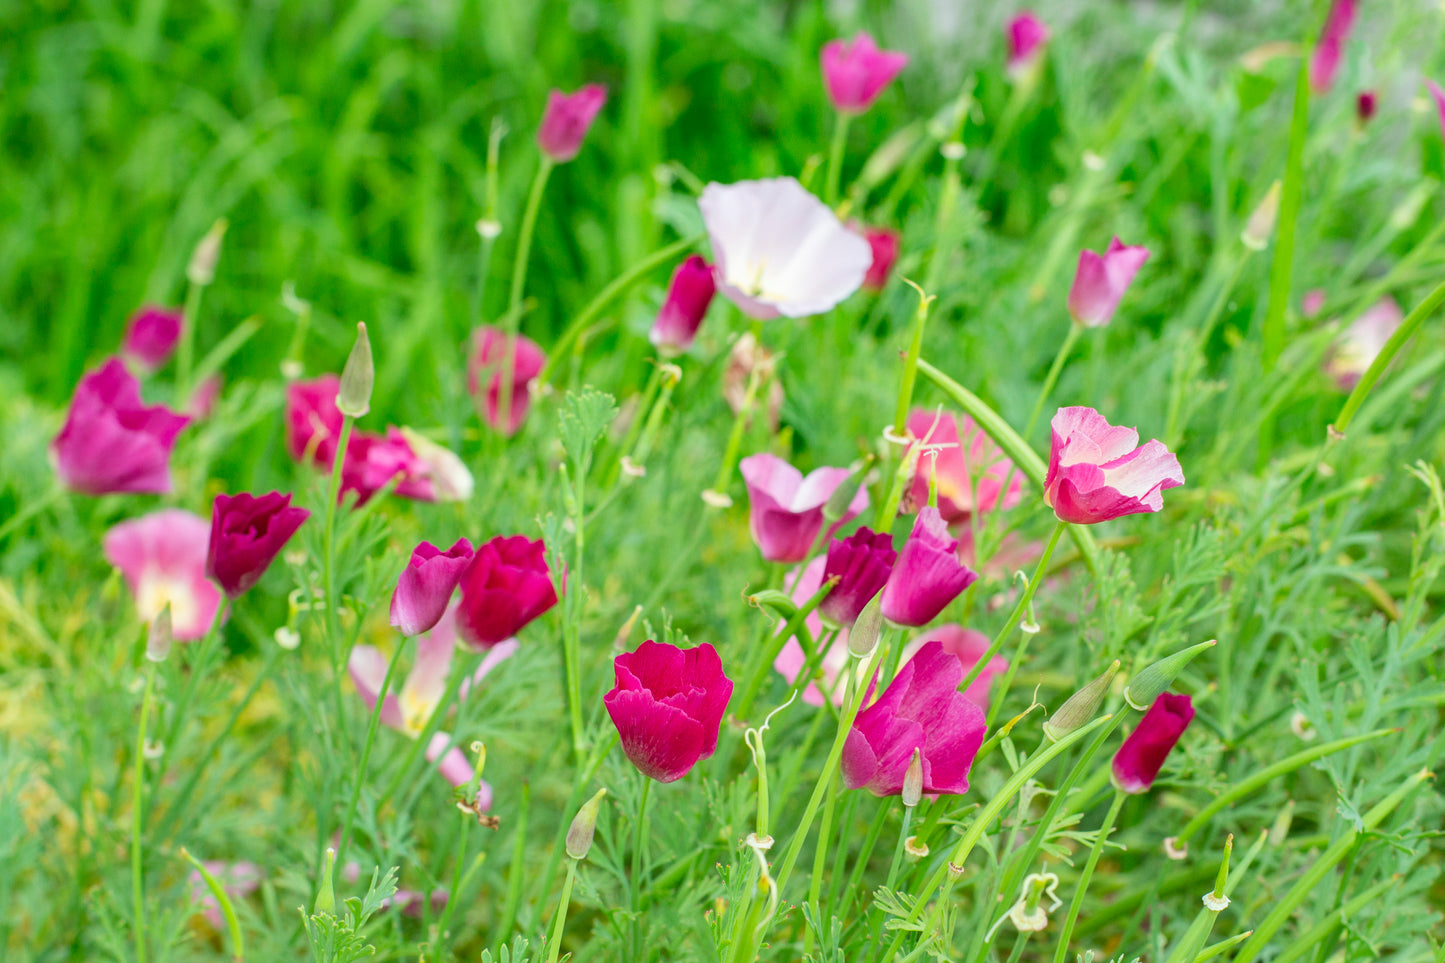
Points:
(1071, 339)
(910, 364)
(1100, 839)
(1017, 615)
(1392, 347)
(835, 159)
(137, 819)
(767, 654)
(366, 753)
(559, 919)
(329, 537)
(820, 858)
(524, 235)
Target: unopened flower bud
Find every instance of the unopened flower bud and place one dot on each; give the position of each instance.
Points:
(863, 637)
(1080, 707)
(159, 636)
(584, 826)
(202, 269)
(325, 895)
(354, 396)
(1150, 683)
(913, 781)
(1260, 226)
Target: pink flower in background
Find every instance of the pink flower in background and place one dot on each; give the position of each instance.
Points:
(247, 533)
(1312, 302)
(313, 422)
(1101, 280)
(490, 347)
(151, 336)
(202, 403)
(1027, 35)
(425, 587)
(667, 705)
(162, 557)
(861, 563)
(1366, 103)
(567, 119)
(237, 880)
(372, 461)
(928, 574)
(113, 443)
(856, 71)
(1139, 759)
(778, 250)
(1098, 472)
(967, 646)
(1437, 95)
(969, 469)
(883, 244)
(746, 358)
(921, 709)
(785, 509)
(791, 659)
(1325, 62)
(688, 296)
(506, 586)
(1360, 344)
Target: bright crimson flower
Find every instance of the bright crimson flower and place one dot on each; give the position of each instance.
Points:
(856, 71)
(1101, 280)
(247, 533)
(667, 705)
(1325, 62)
(163, 559)
(567, 119)
(506, 586)
(151, 336)
(921, 709)
(969, 469)
(1139, 759)
(785, 509)
(928, 574)
(688, 296)
(1098, 472)
(1027, 35)
(861, 562)
(883, 244)
(489, 354)
(111, 442)
(426, 585)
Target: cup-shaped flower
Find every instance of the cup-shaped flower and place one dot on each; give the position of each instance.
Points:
(1101, 280)
(688, 296)
(967, 646)
(425, 586)
(567, 119)
(1027, 35)
(785, 509)
(791, 659)
(861, 563)
(1139, 759)
(247, 533)
(1325, 61)
(490, 349)
(921, 709)
(162, 557)
(667, 705)
(969, 470)
(928, 574)
(1098, 472)
(506, 586)
(111, 442)
(778, 250)
(1358, 345)
(151, 335)
(883, 248)
(237, 880)
(856, 71)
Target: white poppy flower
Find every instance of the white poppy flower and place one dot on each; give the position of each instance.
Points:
(779, 250)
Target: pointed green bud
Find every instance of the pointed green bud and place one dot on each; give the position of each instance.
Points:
(584, 826)
(159, 636)
(354, 397)
(1081, 707)
(325, 895)
(1151, 682)
(863, 637)
(913, 780)
(836, 506)
(1260, 226)
(201, 270)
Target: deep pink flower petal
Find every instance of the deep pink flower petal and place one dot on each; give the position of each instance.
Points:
(1027, 35)
(1329, 51)
(1096, 474)
(151, 336)
(247, 533)
(688, 296)
(110, 441)
(856, 71)
(1101, 280)
(367, 667)
(927, 575)
(1137, 763)
(490, 348)
(426, 586)
(785, 509)
(667, 705)
(506, 586)
(567, 120)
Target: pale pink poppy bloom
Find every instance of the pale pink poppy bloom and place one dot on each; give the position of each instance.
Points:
(162, 557)
(1360, 344)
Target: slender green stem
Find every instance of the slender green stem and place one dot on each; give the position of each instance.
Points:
(910, 365)
(137, 818)
(186, 348)
(519, 862)
(1016, 616)
(366, 753)
(1055, 369)
(1100, 838)
(1018, 950)
(1282, 268)
(639, 837)
(524, 236)
(820, 853)
(1392, 347)
(329, 541)
(835, 158)
(205, 652)
(898, 850)
(559, 919)
(735, 437)
(766, 655)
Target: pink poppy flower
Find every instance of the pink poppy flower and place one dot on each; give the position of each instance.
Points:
(928, 574)
(861, 563)
(1101, 280)
(426, 585)
(1098, 472)
(968, 646)
(785, 509)
(1325, 61)
(506, 586)
(1360, 344)
(969, 469)
(110, 441)
(856, 71)
(162, 557)
(489, 353)
(688, 296)
(883, 245)
(247, 533)
(567, 120)
(1139, 759)
(151, 336)
(1027, 35)
(667, 705)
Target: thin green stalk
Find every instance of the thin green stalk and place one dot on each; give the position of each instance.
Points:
(329, 541)
(519, 862)
(1055, 369)
(137, 818)
(860, 865)
(1100, 838)
(186, 348)
(1316, 934)
(910, 364)
(1018, 950)
(524, 236)
(366, 752)
(574, 799)
(559, 919)
(639, 837)
(766, 655)
(205, 652)
(898, 850)
(1282, 268)
(835, 158)
(820, 858)
(1392, 347)
(1017, 615)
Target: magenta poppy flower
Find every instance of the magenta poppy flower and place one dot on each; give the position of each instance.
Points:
(506, 586)
(785, 509)
(313, 422)
(861, 563)
(489, 353)
(1101, 280)
(162, 557)
(1325, 61)
(688, 296)
(969, 470)
(151, 336)
(247, 533)
(928, 574)
(921, 709)
(1139, 759)
(856, 71)
(426, 585)
(237, 880)
(1027, 35)
(111, 442)
(1098, 472)
(372, 461)
(883, 244)
(967, 646)
(667, 705)
(567, 119)
(791, 658)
